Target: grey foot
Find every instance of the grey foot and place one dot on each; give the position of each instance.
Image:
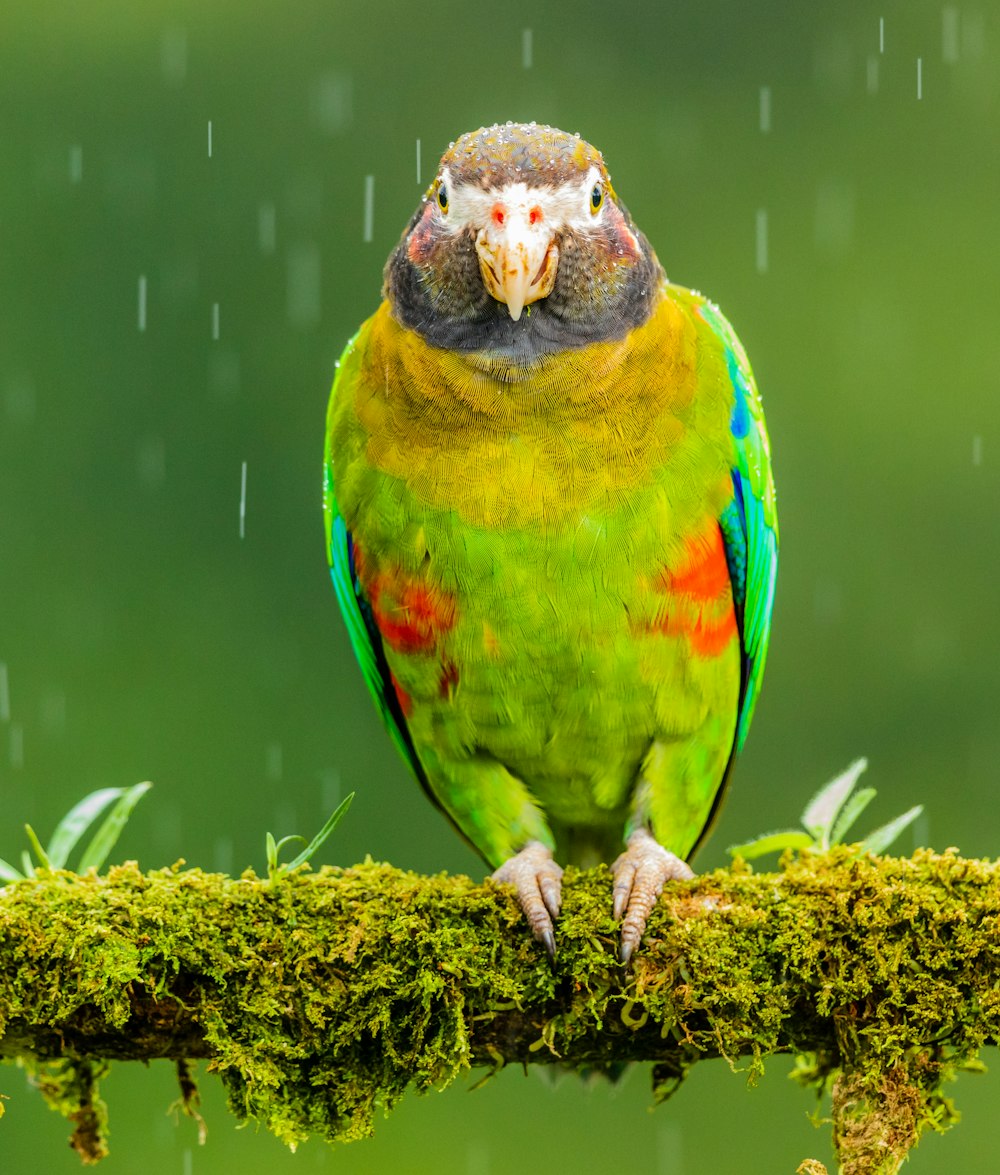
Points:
(538, 881)
(640, 873)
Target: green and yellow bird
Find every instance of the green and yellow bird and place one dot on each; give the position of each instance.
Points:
(551, 524)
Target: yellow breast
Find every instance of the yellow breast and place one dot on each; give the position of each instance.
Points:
(505, 443)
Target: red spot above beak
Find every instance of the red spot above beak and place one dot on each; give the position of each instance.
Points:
(534, 215)
(498, 215)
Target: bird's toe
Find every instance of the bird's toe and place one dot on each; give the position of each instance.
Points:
(538, 882)
(639, 876)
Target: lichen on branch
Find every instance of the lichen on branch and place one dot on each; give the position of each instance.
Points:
(322, 998)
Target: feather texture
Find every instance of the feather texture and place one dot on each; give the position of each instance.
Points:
(557, 573)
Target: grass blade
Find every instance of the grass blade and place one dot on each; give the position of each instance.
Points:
(105, 838)
(286, 840)
(76, 822)
(36, 844)
(9, 873)
(322, 835)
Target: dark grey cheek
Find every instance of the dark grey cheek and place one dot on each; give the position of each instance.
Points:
(455, 283)
(445, 301)
(576, 281)
(443, 287)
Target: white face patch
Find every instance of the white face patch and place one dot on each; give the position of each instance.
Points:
(567, 205)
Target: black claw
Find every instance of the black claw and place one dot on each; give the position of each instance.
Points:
(625, 951)
(549, 939)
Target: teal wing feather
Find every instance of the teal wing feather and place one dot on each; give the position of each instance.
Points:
(749, 523)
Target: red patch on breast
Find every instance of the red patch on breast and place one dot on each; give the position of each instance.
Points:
(410, 613)
(707, 635)
(701, 606)
(704, 572)
(710, 637)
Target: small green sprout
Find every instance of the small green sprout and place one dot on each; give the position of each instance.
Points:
(72, 827)
(828, 817)
(276, 870)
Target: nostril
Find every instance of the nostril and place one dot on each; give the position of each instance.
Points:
(498, 215)
(534, 215)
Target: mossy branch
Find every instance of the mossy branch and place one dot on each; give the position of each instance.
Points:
(323, 997)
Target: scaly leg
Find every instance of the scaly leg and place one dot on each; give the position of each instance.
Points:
(639, 874)
(498, 814)
(538, 881)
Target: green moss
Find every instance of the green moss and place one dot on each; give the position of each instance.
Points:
(71, 1088)
(320, 1000)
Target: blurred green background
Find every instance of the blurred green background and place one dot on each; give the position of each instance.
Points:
(145, 639)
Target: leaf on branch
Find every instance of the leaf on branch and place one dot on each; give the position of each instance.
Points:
(821, 811)
(879, 840)
(849, 813)
(772, 842)
(828, 818)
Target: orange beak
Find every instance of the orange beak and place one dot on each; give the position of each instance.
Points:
(518, 255)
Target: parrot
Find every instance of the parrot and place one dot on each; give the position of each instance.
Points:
(551, 526)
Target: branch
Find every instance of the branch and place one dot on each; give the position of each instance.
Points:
(326, 996)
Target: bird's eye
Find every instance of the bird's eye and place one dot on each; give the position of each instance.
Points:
(596, 198)
(442, 197)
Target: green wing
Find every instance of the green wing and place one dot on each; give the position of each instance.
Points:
(354, 606)
(750, 521)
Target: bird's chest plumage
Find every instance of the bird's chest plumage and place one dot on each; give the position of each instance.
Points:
(540, 549)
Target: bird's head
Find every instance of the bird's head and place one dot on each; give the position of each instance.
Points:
(520, 243)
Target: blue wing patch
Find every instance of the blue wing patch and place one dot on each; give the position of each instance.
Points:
(739, 423)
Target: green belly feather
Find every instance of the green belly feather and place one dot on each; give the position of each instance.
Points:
(519, 525)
